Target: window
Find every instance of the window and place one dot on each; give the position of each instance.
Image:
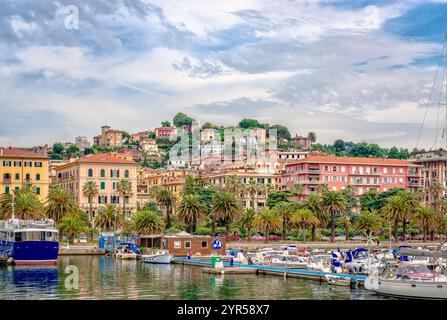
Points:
(38, 164)
(7, 190)
(187, 244)
(126, 174)
(177, 244)
(17, 176)
(38, 191)
(19, 236)
(103, 185)
(28, 164)
(90, 172)
(37, 176)
(204, 244)
(103, 173)
(27, 176)
(6, 163)
(17, 163)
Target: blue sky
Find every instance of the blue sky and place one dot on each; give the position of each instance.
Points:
(356, 70)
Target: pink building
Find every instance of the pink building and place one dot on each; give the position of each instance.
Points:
(362, 173)
(106, 171)
(166, 132)
(140, 135)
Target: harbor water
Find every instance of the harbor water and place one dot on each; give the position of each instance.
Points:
(99, 277)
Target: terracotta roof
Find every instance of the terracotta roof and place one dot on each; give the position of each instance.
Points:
(165, 128)
(104, 158)
(17, 152)
(353, 160)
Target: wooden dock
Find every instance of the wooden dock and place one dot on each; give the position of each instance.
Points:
(266, 270)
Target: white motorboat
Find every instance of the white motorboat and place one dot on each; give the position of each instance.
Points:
(410, 280)
(340, 281)
(158, 257)
(126, 255)
(320, 262)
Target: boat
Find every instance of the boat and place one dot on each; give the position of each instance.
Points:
(320, 262)
(340, 281)
(158, 257)
(410, 280)
(29, 242)
(127, 251)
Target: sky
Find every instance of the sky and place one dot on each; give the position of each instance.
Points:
(354, 70)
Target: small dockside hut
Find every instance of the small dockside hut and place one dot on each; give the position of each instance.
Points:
(180, 244)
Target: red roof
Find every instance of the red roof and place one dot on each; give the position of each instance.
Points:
(17, 152)
(352, 160)
(104, 158)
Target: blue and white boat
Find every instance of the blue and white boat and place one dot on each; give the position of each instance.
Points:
(29, 242)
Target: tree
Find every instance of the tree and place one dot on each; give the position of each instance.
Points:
(191, 210)
(90, 190)
(351, 201)
(124, 188)
(108, 218)
(166, 199)
(284, 210)
(426, 219)
(58, 148)
(333, 202)
(281, 132)
(252, 190)
(26, 205)
(313, 203)
(278, 196)
(267, 221)
(225, 207)
(312, 137)
(72, 224)
(233, 185)
(148, 222)
(246, 221)
(250, 124)
(369, 222)
(304, 218)
(166, 124)
(181, 119)
(395, 210)
(60, 203)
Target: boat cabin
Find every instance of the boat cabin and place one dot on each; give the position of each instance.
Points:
(181, 244)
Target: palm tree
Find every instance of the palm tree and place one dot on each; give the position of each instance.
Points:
(166, 199)
(267, 221)
(124, 188)
(60, 203)
(313, 203)
(191, 210)
(90, 190)
(246, 221)
(284, 210)
(395, 209)
(369, 222)
(412, 201)
(226, 207)
(73, 225)
(233, 185)
(333, 202)
(297, 189)
(108, 218)
(148, 222)
(26, 205)
(252, 189)
(426, 219)
(304, 218)
(435, 193)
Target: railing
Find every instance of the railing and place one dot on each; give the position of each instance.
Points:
(6, 180)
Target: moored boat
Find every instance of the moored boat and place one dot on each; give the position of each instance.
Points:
(29, 242)
(158, 257)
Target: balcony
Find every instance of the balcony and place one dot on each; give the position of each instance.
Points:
(413, 174)
(414, 184)
(7, 180)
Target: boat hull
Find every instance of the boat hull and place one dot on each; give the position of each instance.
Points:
(407, 289)
(158, 259)
(32, 252)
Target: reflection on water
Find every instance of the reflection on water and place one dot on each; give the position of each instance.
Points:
(107, 278)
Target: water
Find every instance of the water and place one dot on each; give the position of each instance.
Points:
(106, 278)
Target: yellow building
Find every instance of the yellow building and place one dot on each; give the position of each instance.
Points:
(19, 167)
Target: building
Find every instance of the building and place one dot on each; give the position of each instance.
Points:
(140, 135)
(301, 142)
(181, 244)
(362, 173)
(109, 137)
(264, 182)
(209, 134)
(106, 170)
(82, 143)
(211, 148)
(166, 132)
(434, 169)
(149, 146)
(20, 166)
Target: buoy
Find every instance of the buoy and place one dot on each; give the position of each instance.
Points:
(10, 261)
